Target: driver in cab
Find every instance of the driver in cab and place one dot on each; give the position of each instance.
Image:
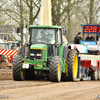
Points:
(44, 37)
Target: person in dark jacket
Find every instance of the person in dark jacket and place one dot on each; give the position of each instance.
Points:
(89, 37)
(77, 38)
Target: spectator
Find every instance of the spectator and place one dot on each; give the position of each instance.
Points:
(75, 47)
(89, 37)
(77, 38)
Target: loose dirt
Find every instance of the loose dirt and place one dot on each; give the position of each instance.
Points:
(46, 90)
(6, 74)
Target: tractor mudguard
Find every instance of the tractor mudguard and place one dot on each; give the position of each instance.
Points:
(65, 51)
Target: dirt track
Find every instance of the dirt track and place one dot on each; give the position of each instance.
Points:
(46, 90)
(5, 74)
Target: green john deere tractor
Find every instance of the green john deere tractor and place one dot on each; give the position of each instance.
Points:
(46, 56)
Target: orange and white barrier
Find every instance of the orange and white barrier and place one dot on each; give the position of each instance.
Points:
(9, 53)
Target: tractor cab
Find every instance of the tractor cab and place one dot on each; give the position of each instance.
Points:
(46, 37)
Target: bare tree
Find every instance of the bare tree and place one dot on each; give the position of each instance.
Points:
(22, 11)
(90, 11)
(62, 10)
(33, 5)
(67, 13)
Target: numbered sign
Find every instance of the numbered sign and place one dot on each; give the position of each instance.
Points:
(26, 66)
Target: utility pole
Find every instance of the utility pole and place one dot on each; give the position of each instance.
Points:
(21, 22)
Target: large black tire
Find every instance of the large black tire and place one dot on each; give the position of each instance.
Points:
(98, 72)
(72, 65)
(18, 74)
(55, 69)
(79, 76)
(94, 74)
(99, 75)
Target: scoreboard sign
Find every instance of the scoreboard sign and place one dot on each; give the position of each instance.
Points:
(91, 29)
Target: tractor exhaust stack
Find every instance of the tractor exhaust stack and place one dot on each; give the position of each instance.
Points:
(45, 12)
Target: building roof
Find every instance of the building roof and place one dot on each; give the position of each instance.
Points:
(11, 30)
(5, 29)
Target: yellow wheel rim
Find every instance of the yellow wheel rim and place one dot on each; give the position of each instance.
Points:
(22, 73)
(59, 69)
(75, 66)
(35, 72)
(67, 66)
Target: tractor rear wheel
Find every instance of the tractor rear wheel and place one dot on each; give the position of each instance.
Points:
(55, 69)
(79, 76)
(72, 65)
(18, 74)
(98, 73)
(94, 74)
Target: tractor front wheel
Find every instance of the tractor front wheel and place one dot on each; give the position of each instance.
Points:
(55, 69)
(94, 74)
(18, 74)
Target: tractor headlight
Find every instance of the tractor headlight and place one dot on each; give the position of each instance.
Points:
(38, 54)
(32, 54)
